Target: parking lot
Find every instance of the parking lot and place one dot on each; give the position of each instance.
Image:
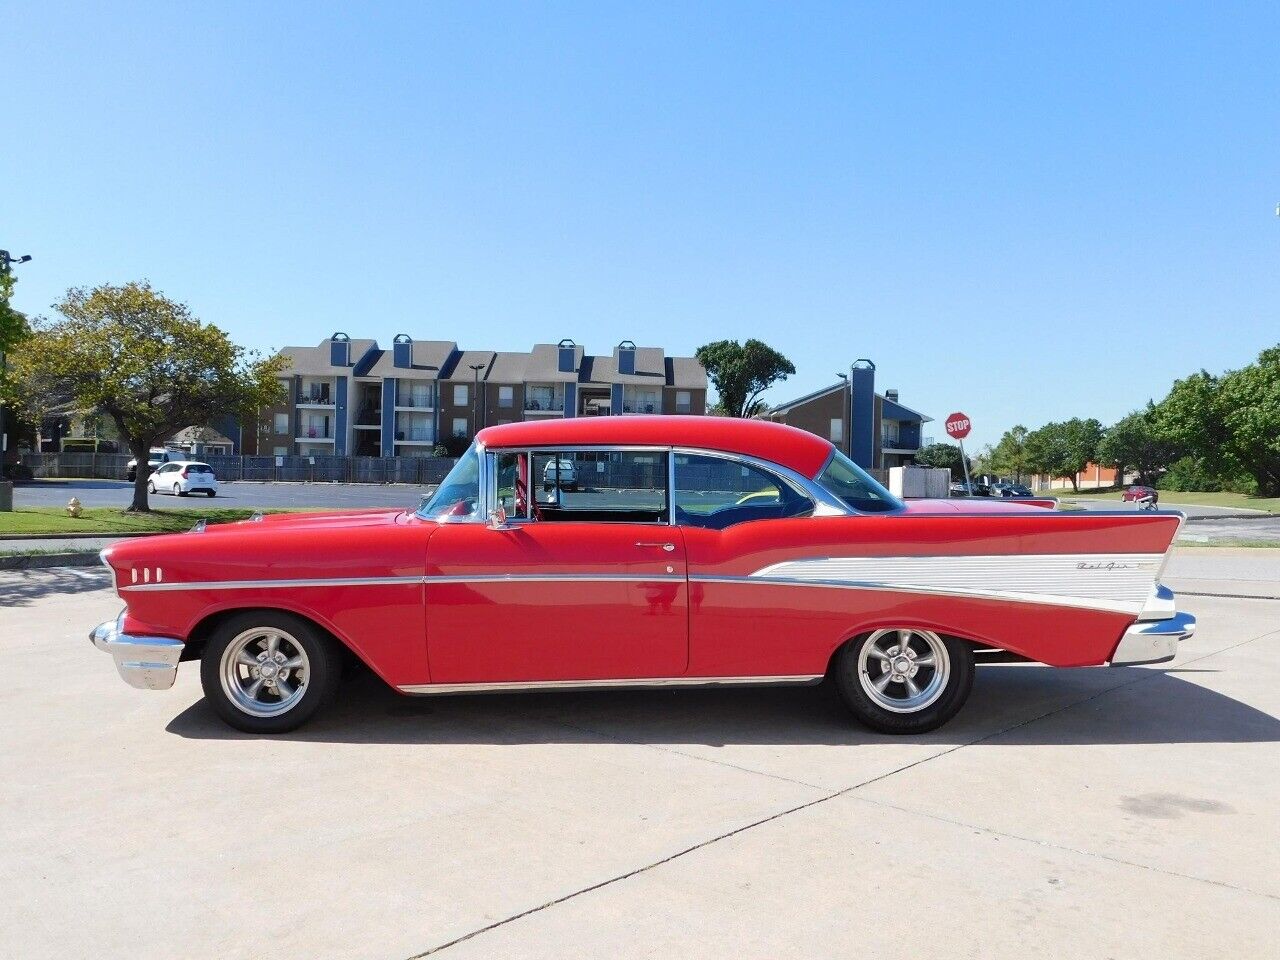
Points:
(1094, 812)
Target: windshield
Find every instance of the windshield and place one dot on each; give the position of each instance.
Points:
(459, 495)
(850, 483)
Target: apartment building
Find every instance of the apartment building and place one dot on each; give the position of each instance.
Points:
(876, 430)
(351, 397)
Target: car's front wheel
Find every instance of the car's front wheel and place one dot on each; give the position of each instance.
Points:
(903, 680)
(268, 671)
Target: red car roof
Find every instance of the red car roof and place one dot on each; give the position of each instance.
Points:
(803, 452)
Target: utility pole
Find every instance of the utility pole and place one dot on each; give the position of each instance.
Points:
(6, 268)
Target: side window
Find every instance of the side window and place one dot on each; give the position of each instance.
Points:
(715, 492)
(510, 473)
(600, 486)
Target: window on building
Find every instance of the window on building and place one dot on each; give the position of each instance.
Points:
(619, 487)
(718, 492)
(459, 426)
(684, 401)
(280, 451)
(506, 397)
(837, 430)
(282, 423)
(460, 395)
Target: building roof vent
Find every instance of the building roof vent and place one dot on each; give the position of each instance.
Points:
(402, 351)
(891, 395)
(567, 350)
(627, 357)
(340, 350)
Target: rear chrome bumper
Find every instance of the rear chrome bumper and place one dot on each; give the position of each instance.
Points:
(148, 663)
(1153, 641)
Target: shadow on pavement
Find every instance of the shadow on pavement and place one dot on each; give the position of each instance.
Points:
(1105, 708)
(72, 485)
(20, 588)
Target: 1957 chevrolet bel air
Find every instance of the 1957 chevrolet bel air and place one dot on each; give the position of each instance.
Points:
(686, 550)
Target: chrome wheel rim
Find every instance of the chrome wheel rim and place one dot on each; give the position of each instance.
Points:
(264, 672)
(903, 670)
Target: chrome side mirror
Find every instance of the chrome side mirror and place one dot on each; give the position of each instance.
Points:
(498, 518)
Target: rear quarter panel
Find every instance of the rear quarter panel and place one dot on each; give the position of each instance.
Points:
(743, 624)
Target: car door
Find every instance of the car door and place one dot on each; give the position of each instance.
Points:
(588, 583)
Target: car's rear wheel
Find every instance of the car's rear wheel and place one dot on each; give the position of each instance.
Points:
(178, 491)
(212, 493)
(904, 680)
(268, 671)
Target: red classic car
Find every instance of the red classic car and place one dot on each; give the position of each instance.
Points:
(692, 550)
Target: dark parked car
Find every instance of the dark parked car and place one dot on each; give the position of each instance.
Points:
(1146, 497)
(1010, 490)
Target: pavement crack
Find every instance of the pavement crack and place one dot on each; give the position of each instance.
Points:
(817, 801)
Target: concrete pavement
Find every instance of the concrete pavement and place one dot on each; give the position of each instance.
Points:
(1092, 812)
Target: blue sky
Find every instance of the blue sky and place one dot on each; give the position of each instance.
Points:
(1021, 212)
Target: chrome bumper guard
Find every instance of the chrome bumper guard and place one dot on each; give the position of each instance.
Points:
(148, 663)
(1154, 638)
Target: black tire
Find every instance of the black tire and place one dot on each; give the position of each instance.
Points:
(947, 703)
(324, 670)
(211, 493)
(131, 476)
(178, 491)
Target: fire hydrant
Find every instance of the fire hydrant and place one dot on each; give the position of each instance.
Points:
(73, 507)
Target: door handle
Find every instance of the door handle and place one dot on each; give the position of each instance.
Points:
(669, 547)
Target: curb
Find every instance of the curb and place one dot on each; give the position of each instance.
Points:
(39, 561)
(1231, 516)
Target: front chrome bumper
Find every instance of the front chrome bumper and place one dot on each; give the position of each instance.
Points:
(148, 663)
(1154, 638)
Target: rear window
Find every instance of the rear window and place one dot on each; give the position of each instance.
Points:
(854, 486)
(199, 468)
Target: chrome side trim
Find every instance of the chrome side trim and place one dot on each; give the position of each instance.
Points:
(148, 663)
(104, 558)
(267, 584)
(404, 581)
(557, 578)
(1160, 605)
(640, 683)
(1155, 641)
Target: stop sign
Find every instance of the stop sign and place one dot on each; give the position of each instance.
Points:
(958, 425)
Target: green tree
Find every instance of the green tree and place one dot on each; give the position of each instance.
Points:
(13, 325)
(740, 372)
(1136, 442)
(1063, 449)
(1230, 423)
(942, 455)
(1010, 454)
(142, 360)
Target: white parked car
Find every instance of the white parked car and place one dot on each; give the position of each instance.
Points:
(568, 475)
(182, 477)
(155, 458)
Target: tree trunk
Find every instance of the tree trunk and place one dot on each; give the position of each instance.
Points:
(141, 475)
(1075, 487)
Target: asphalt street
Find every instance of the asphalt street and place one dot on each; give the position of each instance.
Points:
(1092, 812)
(117, 493)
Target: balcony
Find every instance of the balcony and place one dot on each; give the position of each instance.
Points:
(415, 401)
(544, 402)
(899, 442)
(315, 398)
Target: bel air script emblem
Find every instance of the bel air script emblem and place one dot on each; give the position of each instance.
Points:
(1109, 565)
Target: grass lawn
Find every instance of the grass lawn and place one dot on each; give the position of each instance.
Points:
(1241, 500)
(105, 521)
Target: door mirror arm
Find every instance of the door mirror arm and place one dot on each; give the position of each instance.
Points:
(498, 518)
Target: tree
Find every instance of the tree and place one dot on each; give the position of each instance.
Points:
(942, 455)
(1063, 449)
(1230, 423)
(741, 372)
(1134, 441)
(145, 362)
(1010, 454)
(13, 328)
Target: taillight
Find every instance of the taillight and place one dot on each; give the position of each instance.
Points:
(184, 473)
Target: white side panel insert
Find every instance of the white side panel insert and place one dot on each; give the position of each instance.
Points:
(1119, 582)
